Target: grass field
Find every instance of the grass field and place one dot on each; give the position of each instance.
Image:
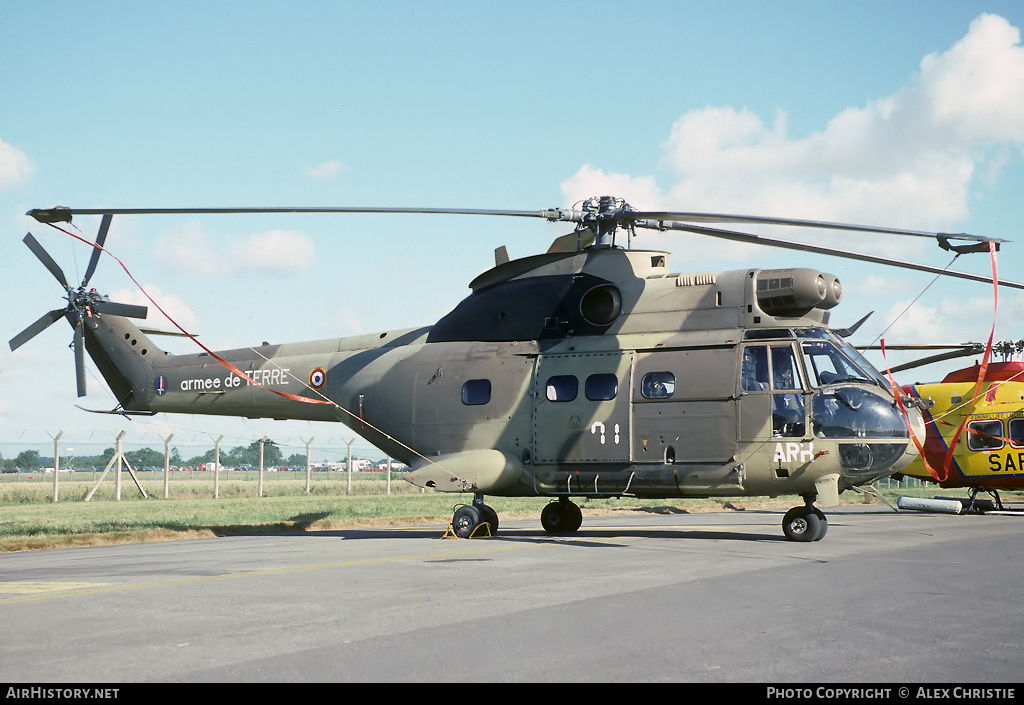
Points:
(30, 520)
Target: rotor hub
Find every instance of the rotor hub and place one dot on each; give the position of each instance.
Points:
(603, 215)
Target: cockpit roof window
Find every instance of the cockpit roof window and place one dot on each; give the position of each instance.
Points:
(762, 333)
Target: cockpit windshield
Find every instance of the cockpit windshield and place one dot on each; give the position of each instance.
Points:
(830, 360)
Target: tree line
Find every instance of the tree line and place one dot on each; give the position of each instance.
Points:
(151, 458)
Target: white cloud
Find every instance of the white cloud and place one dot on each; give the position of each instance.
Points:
(327, 170)
(188, 248)
(172, 306)
(906, 160)
(15, 166)
(939, 321)
(591, 181)
(976, 89)
(273, 251)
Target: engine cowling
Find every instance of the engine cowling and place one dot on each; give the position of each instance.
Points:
(794, 292)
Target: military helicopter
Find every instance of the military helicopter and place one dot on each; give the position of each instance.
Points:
(974, 421)
(591, 370)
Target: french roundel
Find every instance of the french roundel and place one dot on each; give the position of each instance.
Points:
(317, 378)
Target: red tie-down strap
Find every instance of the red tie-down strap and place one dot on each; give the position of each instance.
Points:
(942, 474)
(984, 365)
(898, 393)
(215, 356)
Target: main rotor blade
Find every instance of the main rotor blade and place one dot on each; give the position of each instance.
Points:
(116, 309)
(804, 247)
(44, 322)
(45, 258)
(820, 224)
(101, 237)
(932, 360)
(80, 357)
(623, 216)
(973, 347)
(46, 215)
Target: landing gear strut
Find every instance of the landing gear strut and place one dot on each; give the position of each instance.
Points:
(475, 520)
(561, 517)
(974, 493)
(806, 523)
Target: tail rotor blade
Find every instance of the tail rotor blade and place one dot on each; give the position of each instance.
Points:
(45, 258)
(44, 322)
(80, 357)
(116, 309)
(101, 237)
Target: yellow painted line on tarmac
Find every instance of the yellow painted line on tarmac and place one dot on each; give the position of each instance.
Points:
(28, 591)
(29, 587)
(101, 588)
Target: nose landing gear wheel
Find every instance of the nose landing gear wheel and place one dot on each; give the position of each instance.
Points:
(561, 518)
(804, 524)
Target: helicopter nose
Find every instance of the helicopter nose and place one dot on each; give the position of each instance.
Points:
(863, 463)
(872, 432)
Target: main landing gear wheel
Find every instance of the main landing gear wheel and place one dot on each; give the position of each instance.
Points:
(469, 521)
(804, 524)
(561, 518)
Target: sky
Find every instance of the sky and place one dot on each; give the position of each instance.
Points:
(907, 114)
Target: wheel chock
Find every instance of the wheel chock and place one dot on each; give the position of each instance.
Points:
(482, 531)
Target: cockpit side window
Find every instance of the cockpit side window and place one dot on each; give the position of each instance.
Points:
(785, 374)
(767, 367)
(831, 359)
(774, 368)
(754, 369)
(827, 365)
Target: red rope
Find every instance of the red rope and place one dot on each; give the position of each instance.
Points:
(981, 371)
(948, 459)
(896, 392)
(218, 358)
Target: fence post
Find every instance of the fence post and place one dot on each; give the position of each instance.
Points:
(260, 489)
(167, 465)
(309, 470)
(56, 462)
(117, 475)
(216, 468)
(350, 465)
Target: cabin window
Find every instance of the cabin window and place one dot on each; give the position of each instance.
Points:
(601, 387)
(562, 388)
(985, 435)
(476, 392)
(658, 385)
(1016, 433)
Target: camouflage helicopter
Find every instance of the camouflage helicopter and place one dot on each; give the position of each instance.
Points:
(591, 370)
